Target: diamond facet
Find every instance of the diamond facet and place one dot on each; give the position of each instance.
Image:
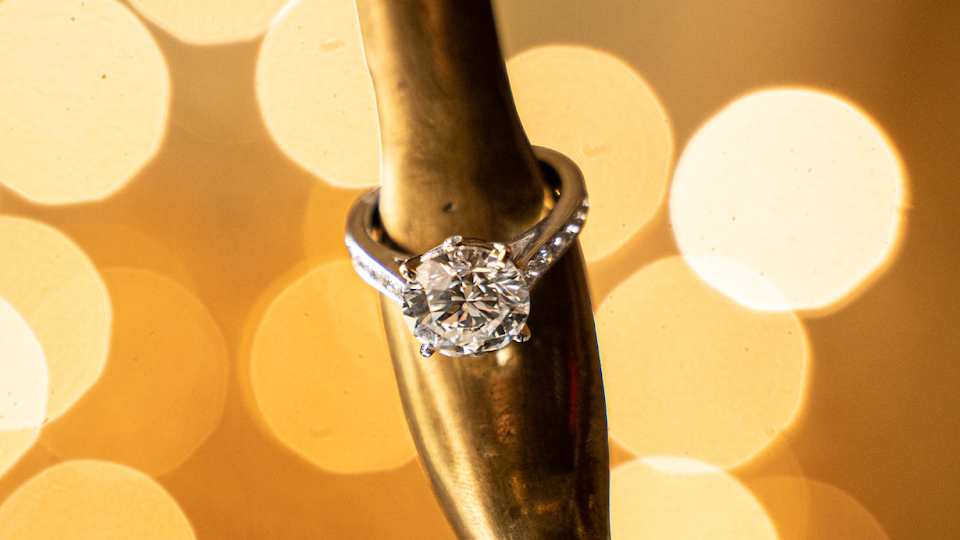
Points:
(464, 300)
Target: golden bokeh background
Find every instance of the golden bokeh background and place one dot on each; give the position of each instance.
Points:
(599, 112)
(321, 375)
(92, 499)
(790, 188)
(773, 256)
(673, 498)
(83, 96)
(689, 372)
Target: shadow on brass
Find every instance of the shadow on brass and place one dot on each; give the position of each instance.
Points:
(514, 442)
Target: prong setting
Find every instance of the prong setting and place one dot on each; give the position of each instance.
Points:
(468, 296)
(501, 251)
(467, 299)
(452, 241)
(523, 336)
(408, 268)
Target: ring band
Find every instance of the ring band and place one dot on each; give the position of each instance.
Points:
(469, 297)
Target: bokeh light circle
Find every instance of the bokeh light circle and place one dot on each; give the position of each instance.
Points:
(113, 245)
(92, 499)
(84, 92)
(798, 187)
(598, 111)
(24, 382)
(321, 374)
(61, 296)
(211, 21)
(690, 373)
(316, 95)
(13, 445)
(23, 373)
(829, 513)
(164, 386)
(680, 499)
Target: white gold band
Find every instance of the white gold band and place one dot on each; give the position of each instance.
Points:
(534, 251)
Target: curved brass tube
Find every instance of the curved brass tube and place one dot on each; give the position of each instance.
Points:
(515, 442)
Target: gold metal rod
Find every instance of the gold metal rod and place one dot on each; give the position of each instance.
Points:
(514, 442)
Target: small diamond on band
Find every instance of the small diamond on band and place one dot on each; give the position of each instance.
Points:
(467, 297)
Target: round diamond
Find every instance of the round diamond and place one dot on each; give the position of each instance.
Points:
(465, 299)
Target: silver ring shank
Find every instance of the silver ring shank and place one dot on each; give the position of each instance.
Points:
(534, 251)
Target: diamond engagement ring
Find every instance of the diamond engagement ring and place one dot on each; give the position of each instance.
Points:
(468, 297)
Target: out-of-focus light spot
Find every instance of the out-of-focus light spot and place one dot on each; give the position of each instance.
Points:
(92, 499)
(691, 373)
(112, 245)
(679, 465)
(831, 513)
(321, 374)
(83, 98)
(23, 373)
(800, 189)
(57, 290)
(598, 111)
(776, 459)
(13, 445)
(316, 95)
(164, 386)
(649, 503)
(211, 21)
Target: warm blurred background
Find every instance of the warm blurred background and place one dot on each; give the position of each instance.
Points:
(185, 352)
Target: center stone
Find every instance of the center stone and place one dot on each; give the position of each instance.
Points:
(464, 301)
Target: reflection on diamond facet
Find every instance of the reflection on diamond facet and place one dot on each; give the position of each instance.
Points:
(464, 301)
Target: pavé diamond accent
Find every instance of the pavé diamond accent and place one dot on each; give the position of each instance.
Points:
(463, 301)
(499, 276)
(557, 244)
